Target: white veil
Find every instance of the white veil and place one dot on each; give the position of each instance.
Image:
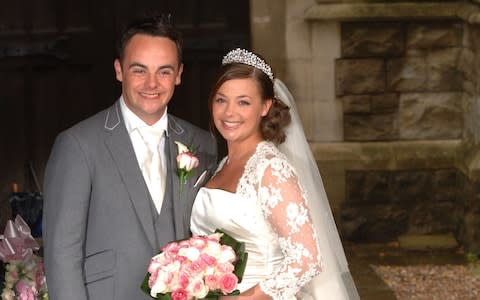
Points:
(335, 277)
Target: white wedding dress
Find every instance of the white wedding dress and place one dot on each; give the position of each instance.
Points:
(283, 252)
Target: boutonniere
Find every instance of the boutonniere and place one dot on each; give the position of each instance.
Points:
(186, 162)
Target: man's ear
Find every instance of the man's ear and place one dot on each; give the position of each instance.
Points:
(178, 80)
(118, 70)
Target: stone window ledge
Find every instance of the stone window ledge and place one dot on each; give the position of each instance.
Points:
(393, 155)
(468, 12)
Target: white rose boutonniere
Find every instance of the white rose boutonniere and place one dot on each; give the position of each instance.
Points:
(186, 162)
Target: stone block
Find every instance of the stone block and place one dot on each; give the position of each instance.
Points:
(384, 103)
(430, 116)
(427, 242)
(359, 76)
(376, 127)
(443, 73)
(426, 154)
(465, 65)
(435, 34)
(409, 187)
(373, 222)
(471, 220)
(367, 187)
(378, 39)
(407, 74)
(433, 218)
(356, 104)
(445, 179)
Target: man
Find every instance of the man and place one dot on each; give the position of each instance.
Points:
(111, 199)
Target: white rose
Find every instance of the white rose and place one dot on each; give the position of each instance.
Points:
(181, 147)
(191, 253)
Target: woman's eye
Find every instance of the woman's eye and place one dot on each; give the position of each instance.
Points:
(244, 102)
(219, 100)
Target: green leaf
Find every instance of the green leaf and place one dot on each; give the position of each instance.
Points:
(239, 248)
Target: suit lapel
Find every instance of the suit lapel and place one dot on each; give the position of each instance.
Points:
(176, 133)
(121, 149)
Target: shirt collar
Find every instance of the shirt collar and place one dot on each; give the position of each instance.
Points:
(132, 121)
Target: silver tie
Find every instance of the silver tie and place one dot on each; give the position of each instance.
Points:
(152, 169)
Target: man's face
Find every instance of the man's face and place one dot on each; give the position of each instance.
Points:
(149, 72)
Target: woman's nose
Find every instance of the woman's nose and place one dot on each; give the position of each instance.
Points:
(229, 109)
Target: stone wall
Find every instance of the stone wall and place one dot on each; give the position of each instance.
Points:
(400, 80)
(470, 166)
(389, 95)
(381, 205)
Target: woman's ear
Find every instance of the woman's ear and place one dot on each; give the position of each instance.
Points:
(266, 107)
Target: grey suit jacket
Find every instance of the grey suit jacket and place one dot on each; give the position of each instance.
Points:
(98, 228)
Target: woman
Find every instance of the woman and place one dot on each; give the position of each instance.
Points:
(257, 197)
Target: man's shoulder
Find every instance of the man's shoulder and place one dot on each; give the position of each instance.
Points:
(179, 125)
(91, 123)
(193, 135)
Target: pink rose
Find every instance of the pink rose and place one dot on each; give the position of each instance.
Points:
(25, 291)
(225, 268)
(197, 288)
(187, 161)
(212, 282)
(208, 259)
(179, 294)
(184, 244)
(228, 283)
(171, 250)
(183, 280)
(198, 242)
(196, 267)
(153, 278)
(153, 266)
(228, 255)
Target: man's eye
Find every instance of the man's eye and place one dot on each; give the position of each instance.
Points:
(138, 71)
(166, 72)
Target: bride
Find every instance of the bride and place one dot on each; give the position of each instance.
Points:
(267, 192)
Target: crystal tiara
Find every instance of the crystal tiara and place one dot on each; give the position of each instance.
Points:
(246, 57)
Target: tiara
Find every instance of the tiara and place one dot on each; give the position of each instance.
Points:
(246, 57)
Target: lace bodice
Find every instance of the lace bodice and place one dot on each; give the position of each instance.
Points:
(268, 212)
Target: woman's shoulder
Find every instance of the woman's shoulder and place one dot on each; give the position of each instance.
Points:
(268, 152)
(268, 156)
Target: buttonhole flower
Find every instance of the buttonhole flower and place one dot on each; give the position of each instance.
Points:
(186, 162)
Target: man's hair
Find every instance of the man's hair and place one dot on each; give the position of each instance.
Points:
(155, 26)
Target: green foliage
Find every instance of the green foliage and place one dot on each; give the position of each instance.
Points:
(472, 258)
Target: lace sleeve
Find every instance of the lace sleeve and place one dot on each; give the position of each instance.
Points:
(283, 204)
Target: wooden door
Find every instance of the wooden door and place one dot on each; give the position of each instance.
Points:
(56, 68)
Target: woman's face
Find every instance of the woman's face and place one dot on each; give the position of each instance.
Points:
(237, 109)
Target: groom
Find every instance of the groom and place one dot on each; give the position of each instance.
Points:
(111, 198)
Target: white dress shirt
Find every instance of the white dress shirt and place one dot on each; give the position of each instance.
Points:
(133, 123)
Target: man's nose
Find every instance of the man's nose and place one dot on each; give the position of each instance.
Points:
(151, 81)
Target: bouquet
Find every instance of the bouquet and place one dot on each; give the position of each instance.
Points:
(25, 280)
(24, 274)
(202, 267)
